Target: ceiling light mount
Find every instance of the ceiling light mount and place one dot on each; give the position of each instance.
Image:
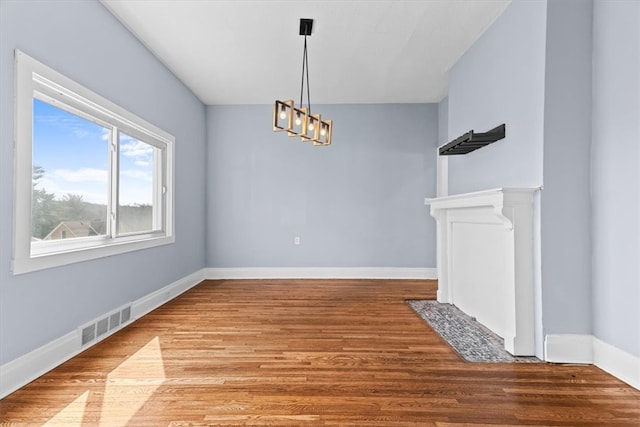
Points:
(299, 121)
(306, 26)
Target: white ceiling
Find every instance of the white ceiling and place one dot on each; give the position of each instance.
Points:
(249, 51)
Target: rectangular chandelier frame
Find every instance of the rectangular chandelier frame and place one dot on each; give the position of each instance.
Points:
(298, 122)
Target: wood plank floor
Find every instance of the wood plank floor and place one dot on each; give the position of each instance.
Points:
(304, 352)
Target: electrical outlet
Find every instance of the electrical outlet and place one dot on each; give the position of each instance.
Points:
(296, 240)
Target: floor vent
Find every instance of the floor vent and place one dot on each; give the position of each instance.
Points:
(102, 327)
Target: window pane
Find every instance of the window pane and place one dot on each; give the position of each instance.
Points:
(70, 178)
(136, 186)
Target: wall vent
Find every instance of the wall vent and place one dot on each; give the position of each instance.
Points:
(114, 320)
(88, 334)
(101, 328)
(126, 314)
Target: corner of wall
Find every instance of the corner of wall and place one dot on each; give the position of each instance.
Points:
(587, 349)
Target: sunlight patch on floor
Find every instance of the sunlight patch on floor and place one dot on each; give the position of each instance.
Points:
(72, 414)
(131, 384)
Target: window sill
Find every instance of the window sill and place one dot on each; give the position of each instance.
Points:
(86, 252)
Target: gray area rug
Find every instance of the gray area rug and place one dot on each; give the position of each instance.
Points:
(470, 339)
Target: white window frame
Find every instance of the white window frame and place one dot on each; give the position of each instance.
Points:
(34, 79)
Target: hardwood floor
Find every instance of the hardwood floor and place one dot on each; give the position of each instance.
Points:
(304, 352)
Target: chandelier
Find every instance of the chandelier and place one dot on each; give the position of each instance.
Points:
(298, 121)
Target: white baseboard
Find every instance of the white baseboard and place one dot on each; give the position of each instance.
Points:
(321, 273)
(618, 363)
(21, 371)
(588, 349)
(150, 302)
(568, 348)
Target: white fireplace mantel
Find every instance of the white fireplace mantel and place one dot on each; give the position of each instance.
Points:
(485, 260)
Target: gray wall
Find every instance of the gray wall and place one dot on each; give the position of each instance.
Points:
(500, 79)
(85, 42)
(443, 121)
(358, 203)
(616, 173)
(566, 200)
(565, 77)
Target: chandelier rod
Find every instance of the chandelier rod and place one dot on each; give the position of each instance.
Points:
(305, 67)
(306, 58)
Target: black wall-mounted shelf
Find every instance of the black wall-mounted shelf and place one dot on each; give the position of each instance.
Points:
(471, 141)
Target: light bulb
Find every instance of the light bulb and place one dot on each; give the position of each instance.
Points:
(323, 131)
(283, 114)
(310, 125)
(298, 120)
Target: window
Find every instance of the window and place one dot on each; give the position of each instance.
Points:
(92, 179)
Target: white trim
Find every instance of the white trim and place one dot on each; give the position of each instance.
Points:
(442, 174)
(150, 302)
(103, 248)
(26, 368)
(509, 286)
(321, 273)
(568, 348)
(618, 363)
(32, 76)
(587, 349)
(21, 371)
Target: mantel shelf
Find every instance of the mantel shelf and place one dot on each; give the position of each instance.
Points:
(493, 197)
